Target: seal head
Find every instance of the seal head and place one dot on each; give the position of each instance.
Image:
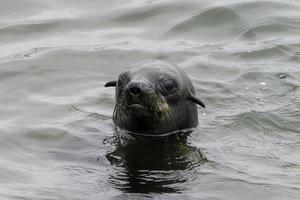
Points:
(153, 98)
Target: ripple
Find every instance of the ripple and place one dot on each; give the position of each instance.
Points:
(11, 32)
(205, 23)
(145, 12)
(46, 137)
(156, 168)
(269, 27)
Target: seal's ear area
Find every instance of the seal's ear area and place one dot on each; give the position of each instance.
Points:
(196, 100)
(111, 84)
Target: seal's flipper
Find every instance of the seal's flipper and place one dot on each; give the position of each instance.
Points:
(196, 100)
(111, 84)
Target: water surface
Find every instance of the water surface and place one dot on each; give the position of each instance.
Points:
(57, 136)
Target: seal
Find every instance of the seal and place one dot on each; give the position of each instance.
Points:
(155, 98)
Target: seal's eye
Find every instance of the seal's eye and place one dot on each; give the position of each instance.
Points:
(122, 81)
(168, 86)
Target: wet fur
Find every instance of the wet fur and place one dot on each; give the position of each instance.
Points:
(160, 112)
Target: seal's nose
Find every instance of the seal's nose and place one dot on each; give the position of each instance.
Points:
(135, 89)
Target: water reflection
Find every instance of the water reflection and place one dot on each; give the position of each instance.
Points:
(153, 165)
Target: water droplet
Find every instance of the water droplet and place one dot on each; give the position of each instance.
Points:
(282, 76)
(263, 83)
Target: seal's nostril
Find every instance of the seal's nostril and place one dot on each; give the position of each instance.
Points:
(135, 90)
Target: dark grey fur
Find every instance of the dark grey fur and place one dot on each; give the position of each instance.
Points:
(155, 97)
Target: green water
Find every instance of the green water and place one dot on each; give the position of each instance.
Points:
(57, 136)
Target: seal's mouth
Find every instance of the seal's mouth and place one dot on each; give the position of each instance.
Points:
(136, 107)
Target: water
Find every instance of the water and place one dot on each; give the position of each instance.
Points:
(57, 136)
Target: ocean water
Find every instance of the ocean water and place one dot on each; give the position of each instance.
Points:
(57, 136)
